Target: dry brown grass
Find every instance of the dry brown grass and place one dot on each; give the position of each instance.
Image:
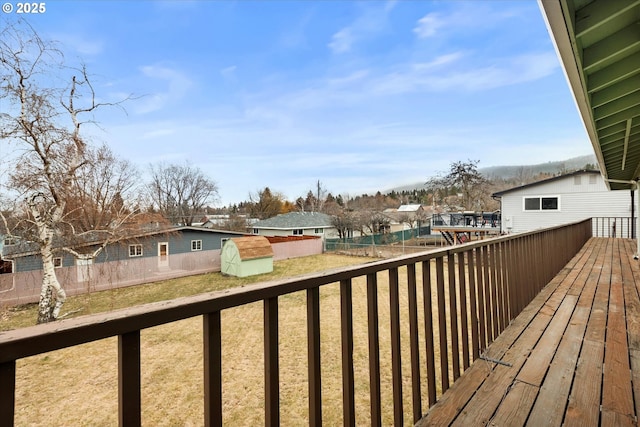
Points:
(80, 384)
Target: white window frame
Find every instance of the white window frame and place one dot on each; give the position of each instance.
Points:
(57, 262)
(319, 231)
(540, 208)
(298, 232)
(135, 253)
(196, 245)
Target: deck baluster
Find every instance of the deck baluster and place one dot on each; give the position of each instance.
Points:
(348, 388)
(396, 361)
(413, 342)
(442, 324)
(271, 364)
(453, 317)
(313, 343)
(7, 392)
(428, 332)
(129, 379)
(374, 349)
(212, 353)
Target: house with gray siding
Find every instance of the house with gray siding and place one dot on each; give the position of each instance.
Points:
(158, 245)
(149, 257)
(297, 224)
(560, 200)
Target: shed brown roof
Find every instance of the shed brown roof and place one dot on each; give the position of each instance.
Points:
(252, 247)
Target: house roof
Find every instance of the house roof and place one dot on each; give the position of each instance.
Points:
(253, 247)
(409, 208)
(31, 248)
(598, 42)
(545, 181)
(296, 220)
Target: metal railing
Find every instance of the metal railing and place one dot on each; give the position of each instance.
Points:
(623, 227)
(470, 293)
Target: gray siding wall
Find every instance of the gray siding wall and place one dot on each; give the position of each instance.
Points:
(179, 243)
(577, 201)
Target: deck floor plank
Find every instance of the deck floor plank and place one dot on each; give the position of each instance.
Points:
(631, 271)
(574, 352)
(550, 405)
(617, 394)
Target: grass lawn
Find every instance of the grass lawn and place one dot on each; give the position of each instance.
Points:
(78, 385)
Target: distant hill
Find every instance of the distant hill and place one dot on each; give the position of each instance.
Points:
(508, 172)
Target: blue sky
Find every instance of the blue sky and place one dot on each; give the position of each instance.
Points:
(363, 96)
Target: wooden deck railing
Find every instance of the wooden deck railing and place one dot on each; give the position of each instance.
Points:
(477, 289)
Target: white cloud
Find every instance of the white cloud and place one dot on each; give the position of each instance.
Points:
(370, 23)
(341, 41)
(429, 25)
(177, 86)
(82, 44)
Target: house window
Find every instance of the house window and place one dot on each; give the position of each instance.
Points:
(135, 250)
(297, 232)
(255, 231)
(542, 203)
(196, 245)
(318, 231)
(57, 262)
(9, 241)
(593, 179)
(577, 180)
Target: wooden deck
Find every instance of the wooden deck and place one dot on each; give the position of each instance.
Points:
(572, 357)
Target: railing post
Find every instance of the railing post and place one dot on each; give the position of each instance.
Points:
(313, 355)
(396, 361)
(464, 322)
(271, 364)
(473, 305)
(453, 317)
(348, 389)
(129, 379)
(442, 324)
(374, 349)
(428, 332)
(481, 311)
(7, 393)
(212, 369)
(413, 341)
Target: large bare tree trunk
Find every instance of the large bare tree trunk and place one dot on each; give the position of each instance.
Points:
(52, 296)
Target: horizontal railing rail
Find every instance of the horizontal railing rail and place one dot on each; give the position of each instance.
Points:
(469, 294)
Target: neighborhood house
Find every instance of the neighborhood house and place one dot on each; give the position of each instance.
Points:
(563, 199)
(148, 257)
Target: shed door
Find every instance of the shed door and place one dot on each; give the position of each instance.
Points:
(163, 254)
(85, 272)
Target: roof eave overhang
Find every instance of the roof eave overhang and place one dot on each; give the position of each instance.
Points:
(555, 14)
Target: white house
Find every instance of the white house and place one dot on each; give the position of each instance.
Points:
(561, 200)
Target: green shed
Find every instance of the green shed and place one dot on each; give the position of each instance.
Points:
(246, 256)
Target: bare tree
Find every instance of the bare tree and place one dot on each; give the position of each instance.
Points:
(180, 192)
(314, 200)
(45, 106)
(464, 176)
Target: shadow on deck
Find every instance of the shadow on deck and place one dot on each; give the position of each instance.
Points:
(571, 357)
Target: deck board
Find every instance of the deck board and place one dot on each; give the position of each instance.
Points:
(574, 352)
